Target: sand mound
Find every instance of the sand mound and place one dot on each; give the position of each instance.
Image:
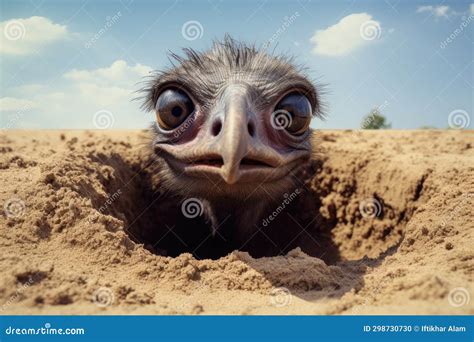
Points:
(389, 231)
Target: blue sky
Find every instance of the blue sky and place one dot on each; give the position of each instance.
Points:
(75, 64)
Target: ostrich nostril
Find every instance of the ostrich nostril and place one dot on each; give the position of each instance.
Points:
(216, 128)
(251, 129)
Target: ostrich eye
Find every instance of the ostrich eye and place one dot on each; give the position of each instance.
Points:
(293, 113)
(172, 108)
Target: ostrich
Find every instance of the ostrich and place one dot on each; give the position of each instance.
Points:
(231, 137)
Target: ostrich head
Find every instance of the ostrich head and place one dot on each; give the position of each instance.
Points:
(232, 125)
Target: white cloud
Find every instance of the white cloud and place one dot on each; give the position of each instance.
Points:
(30, 88)
(472, 8)
(119, 73)
(11, 104)
(25, 36)
(350, 33)
(72, 102)
(437, 11)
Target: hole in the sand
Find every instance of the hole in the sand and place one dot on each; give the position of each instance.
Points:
(324, 221)
(30, 277)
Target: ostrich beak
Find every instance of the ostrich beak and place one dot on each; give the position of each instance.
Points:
(236, 140)
(244, 154)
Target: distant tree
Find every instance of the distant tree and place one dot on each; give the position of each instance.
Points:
(375, 120)
(427, 127)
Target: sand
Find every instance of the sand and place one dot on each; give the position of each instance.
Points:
(395, 231)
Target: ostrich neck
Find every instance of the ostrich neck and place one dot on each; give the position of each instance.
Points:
(233, 218)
